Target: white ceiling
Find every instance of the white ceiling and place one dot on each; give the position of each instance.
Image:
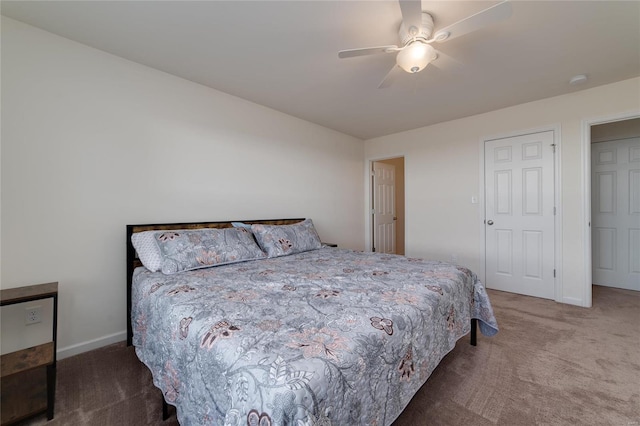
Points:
(283, 54)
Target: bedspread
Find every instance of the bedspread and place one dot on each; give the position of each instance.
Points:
(325, 337)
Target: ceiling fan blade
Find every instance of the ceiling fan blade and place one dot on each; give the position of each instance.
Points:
(350, 53)
(475, 22)
(447, 63)
(411, 15)
(393, 75)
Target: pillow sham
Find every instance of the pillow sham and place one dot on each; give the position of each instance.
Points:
(184, 250)
(283, 240)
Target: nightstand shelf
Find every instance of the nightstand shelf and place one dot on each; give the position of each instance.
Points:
(29, 375)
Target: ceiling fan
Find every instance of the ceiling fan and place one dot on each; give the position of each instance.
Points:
(416, 36)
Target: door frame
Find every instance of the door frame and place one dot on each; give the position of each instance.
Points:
(557, 200)
(368, 222)
(587, 293)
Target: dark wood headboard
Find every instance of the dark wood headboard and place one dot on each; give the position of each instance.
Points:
(133, 262)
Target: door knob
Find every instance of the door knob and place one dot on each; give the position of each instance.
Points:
(489, 222)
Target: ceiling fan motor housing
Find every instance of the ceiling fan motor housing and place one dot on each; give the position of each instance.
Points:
(424, 32)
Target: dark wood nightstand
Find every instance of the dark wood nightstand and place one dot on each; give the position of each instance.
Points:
(25, 373)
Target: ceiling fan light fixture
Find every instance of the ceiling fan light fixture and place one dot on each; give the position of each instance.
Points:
(415, 57)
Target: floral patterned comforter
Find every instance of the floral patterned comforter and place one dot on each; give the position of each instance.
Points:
(325, 337)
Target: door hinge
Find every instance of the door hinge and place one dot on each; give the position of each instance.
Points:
(553, 146)
(554, 273)
(373, 211)
(554, 211)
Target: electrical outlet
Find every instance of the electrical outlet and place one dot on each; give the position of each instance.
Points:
(33, 315)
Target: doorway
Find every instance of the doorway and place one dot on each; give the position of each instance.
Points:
(615, 204)
(388, 206)
(587, 126)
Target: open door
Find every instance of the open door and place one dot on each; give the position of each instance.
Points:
(384, 210)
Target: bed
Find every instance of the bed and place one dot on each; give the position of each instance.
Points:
(299, 334)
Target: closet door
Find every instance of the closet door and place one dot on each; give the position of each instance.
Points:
(615, 213)
(519, 214)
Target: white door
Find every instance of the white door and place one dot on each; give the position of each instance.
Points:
(519, 214)
(615, 213)
(384, 210)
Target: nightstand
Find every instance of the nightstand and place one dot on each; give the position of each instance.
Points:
(23, 372)
(329, 245)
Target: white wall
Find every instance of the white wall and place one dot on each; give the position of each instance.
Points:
(92, 142)
(442, 171)
(617, 130)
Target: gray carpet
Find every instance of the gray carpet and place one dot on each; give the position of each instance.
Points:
(550, 364)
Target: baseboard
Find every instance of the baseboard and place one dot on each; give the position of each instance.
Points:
(91, 345)
(573, 301)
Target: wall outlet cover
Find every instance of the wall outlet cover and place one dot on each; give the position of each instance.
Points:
(33, 315)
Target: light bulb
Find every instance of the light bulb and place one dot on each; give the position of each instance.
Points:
(415, 57)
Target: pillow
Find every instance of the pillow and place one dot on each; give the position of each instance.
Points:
(241, 225)
(184, 250)
(282, 240)
(147, 249)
